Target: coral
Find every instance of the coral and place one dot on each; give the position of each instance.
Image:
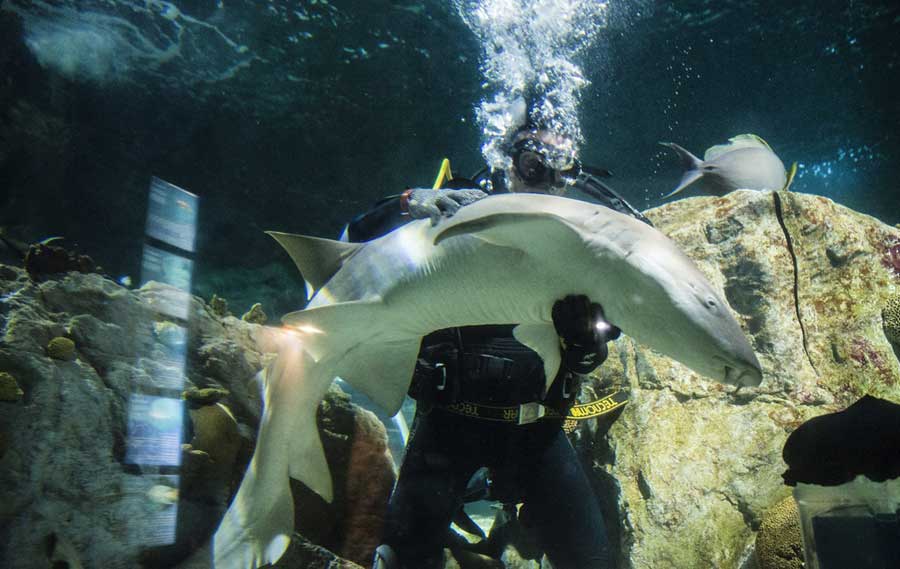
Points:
(43, 259)
(216, 434)
(61, 348)
(255, 315)
(369, 480)
(169, 333)
(890, 317)
(219, 306)
(197, 397)
(891, 259)
(209, 461)
(864, 353)
(779, 543)
(9, 389)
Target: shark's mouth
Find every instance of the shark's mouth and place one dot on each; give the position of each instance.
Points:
(735, 376)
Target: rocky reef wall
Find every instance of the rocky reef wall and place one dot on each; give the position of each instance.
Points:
(691, 465)
(80, 357)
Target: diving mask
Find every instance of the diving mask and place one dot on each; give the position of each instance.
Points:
(532, 166)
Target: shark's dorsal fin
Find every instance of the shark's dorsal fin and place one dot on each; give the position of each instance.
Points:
(316, 258)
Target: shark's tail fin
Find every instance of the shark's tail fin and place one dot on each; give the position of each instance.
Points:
(257, 527)
(692, 168)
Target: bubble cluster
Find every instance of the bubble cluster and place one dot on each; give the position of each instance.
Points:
(108, 41)
(529, 50)
(845, 160)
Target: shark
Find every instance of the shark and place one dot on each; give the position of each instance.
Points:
(503, 259)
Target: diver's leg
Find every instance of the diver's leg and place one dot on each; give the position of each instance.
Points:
(563, 509)
(427, 494)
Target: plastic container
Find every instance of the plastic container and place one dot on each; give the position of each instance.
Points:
(854, 525)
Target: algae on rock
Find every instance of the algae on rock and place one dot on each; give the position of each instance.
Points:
(695, 464)
(9, 388)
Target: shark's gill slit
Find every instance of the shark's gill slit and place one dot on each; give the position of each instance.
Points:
(779, 214)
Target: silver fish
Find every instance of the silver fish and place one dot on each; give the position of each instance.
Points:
(745, 162)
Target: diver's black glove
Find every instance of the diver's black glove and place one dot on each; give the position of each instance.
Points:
(421, 203)
(584, 331)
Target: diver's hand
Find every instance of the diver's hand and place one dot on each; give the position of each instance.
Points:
(584, 331)
(422, 203)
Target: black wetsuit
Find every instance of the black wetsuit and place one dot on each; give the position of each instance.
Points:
(533, 463)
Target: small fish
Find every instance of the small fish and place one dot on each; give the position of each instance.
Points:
(184, 205)
(746, 162)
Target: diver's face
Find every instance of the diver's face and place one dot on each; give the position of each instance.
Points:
(518, 185)
(532, 170)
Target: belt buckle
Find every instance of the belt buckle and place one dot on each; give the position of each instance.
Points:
(531, 412)
(443, 384)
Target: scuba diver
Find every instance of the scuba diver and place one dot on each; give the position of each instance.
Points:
(479, 392)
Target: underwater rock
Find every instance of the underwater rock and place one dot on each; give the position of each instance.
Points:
(69, 454)
(691, 465)
(216, 433)
(256, 315)
(219, 306)
(206, 396)
(44, 260)
(303, 553)
(168, 333)
(779, 543)
(370, 479)
(9, 388)
(61, 348)
(212, 455)
(356, 448)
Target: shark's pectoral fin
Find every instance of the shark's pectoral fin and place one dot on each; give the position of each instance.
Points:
(288, 434)
(316, 325)
(543, 339)
(380, 366)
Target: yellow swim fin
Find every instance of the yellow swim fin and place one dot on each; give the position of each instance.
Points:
(444, 174)
(790, 177)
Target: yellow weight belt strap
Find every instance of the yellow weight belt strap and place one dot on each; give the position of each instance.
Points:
(531, 412)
